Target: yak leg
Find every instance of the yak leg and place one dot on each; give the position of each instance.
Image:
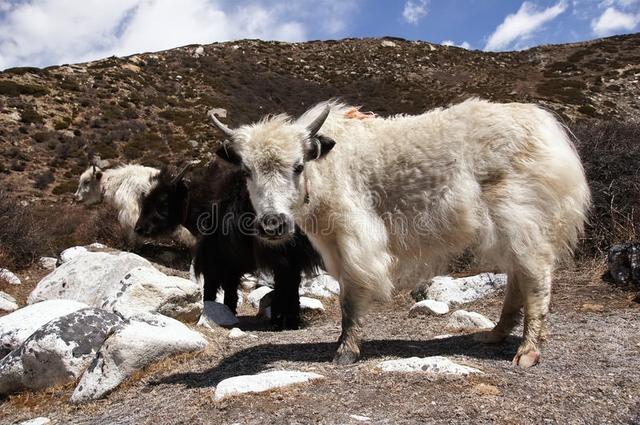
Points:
(510, 316)
(285, 307)
(536, 292)
(230, 284)
(365, 270)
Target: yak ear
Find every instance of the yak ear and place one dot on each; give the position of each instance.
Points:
(319, 146)
(227, 153)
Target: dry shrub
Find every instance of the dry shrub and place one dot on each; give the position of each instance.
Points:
(610, 153)
(21, 241)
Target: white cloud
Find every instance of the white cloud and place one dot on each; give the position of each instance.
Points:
(414, 11)
(45, 32)
(522, 24)
(464, 44)
(613, 20)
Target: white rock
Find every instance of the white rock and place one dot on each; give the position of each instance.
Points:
(265, 279)
(90, 278)
(360, 418)
(436, 365)
(237, 333)
(462, 319)
(48, 263)
(16, 327)
(145, 289)
(310, 304)
(36, 421)
(388, 43)
(256, 295)
(215, 314)
(97, 245)
(9, 277)
(322, 285)
(58, 352)
(262, 382)
(131, 348)
(220, 297)
(429, 307)
(7, 303)
(71, 253)
(121, 282)
(199, 51)
(464, 289)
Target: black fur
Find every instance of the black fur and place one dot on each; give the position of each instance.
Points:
(216, 208)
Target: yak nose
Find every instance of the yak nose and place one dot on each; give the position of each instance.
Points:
(274, 226)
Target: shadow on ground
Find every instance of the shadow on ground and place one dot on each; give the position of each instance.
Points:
(256, 359)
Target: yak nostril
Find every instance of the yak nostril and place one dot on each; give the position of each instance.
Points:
(273, 224)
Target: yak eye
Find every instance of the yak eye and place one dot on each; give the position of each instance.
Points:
(298, 168)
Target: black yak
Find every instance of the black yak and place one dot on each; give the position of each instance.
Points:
(214, 206)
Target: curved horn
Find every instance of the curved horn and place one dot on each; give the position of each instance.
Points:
(226, 130)
(184, 170)
(314, 127)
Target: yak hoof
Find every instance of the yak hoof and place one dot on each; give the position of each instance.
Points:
(526, 357)
(344, 357)
(489, 337)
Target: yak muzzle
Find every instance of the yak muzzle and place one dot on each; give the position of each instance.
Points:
(275, 226)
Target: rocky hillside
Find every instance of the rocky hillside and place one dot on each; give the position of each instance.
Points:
(150, 108)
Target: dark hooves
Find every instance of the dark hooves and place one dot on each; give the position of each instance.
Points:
(344, 358)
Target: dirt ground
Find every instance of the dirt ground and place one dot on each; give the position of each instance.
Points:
(589, 372)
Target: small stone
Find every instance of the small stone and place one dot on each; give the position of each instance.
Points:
(198, 52)
(486, 389)
(310, 304)
(262, 382)
(592, 308)
(323, 286)
(237, 333)
(256, 295)
(360, 418)
(48, 263)
(7, 302)
(435, 364)
(216, 314)
(9, 277)
(388, 43)
(444, 336)
(462, 319)
(219, 112)
(36, 421)
(97, 245)
(428, 308)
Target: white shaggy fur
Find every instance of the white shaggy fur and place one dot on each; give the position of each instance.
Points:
(123, 188)
(408, 193)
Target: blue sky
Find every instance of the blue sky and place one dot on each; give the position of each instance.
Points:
(47, 32)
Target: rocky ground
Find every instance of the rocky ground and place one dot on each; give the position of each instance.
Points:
(588, 373)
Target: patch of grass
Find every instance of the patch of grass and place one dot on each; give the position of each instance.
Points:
(569, 91)
(30, 116)
(68, 186)
(20, 233)
(43, 180)
(588, 110)
(21, 70)
(13, 89)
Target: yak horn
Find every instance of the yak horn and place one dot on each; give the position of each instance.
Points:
(184, 170)
(314, 127)
(226, 130)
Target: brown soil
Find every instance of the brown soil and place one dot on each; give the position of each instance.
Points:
(588, 372)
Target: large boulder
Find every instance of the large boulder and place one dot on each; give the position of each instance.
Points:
(121, 282)
(262, 382)
(145, 289)
(58, 352)
(16, 327)
(459, 290)
(131, 348)
(90, 278)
